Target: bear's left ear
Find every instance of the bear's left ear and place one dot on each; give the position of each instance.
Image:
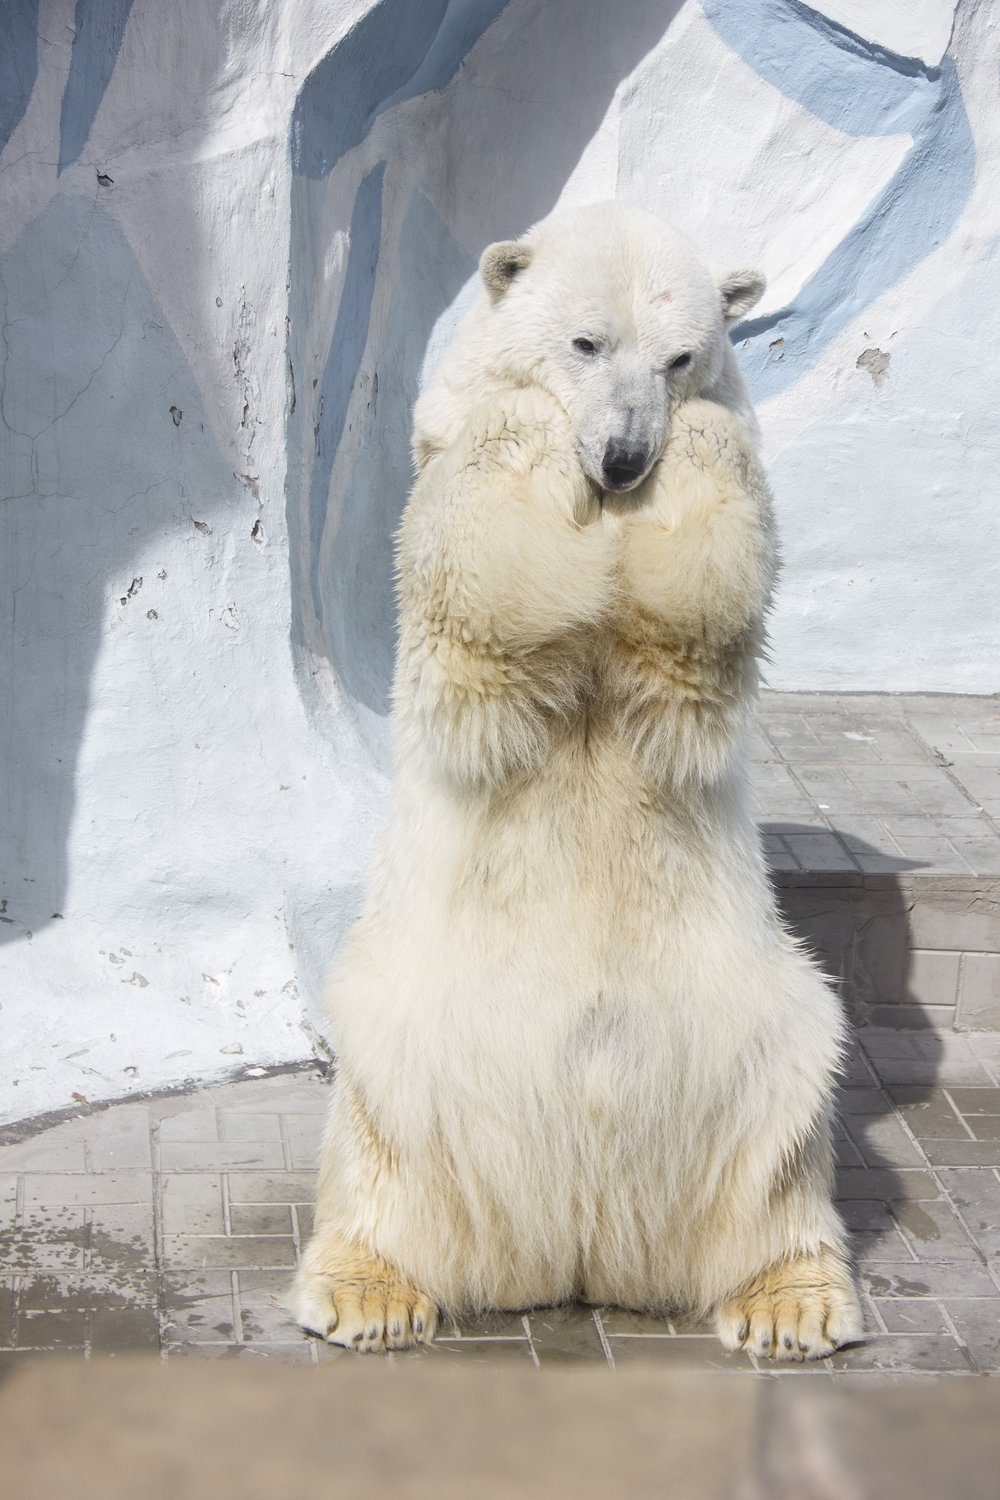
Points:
(500, 263)
(740, 290)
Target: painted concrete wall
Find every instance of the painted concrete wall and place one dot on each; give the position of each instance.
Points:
(232, 237)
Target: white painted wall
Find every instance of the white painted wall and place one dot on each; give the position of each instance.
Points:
(232, 237)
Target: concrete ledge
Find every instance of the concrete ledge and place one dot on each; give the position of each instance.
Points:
(922, 953)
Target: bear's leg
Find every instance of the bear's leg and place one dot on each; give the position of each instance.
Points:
(351, 1297)
(790, 1291)
(803, 1308)
(345, 1290)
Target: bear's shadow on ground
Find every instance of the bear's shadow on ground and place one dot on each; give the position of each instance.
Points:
(859, 933)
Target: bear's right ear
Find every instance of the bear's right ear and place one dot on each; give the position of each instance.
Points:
(740, 291)
(500, 263)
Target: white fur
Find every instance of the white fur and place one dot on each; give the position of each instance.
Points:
(579, 1054)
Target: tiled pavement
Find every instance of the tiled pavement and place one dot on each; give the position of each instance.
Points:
(878, 784)
(173, 1224)
(881, 818)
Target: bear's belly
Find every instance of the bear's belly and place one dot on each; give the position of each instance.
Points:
(578, 954)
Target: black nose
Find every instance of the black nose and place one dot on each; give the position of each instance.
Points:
(623, 465)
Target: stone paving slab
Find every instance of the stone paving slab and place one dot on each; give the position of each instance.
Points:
(196, 1261)
(881, 822)
(875, 784)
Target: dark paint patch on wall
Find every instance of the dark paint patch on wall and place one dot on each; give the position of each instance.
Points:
(358, 584)
(18, 62)
(396, 51)
(343, 360)
(100, 26)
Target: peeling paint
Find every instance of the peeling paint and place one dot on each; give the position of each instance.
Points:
(876, 362)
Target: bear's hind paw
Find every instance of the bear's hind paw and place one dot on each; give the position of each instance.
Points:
(363, 1304)
(802, 1309)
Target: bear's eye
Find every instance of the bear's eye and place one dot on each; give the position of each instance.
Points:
(585, 346)
(680, 363)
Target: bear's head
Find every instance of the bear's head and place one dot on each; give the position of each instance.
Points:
(613, 312)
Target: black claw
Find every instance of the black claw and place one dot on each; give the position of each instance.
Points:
(765, 1341)
(743, 1334)
(396, 1329)
(373, 1331)
(418, 1325)
(789, 1341)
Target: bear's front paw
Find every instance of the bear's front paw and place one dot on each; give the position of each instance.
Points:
(802, 1309)
(352, 1298)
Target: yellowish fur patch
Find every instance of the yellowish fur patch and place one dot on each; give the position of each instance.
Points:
(350, 1297)
(802, 1309)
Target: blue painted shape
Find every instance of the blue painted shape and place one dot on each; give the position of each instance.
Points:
(358, 585)
(18, 62)
(100, 26)
(399, 49)
(343, 360)
(861, 89)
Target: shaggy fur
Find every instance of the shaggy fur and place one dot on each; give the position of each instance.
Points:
(580, 1057)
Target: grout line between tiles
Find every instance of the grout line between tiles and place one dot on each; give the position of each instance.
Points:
(964, 1122)
(234, 1287)
(947, 1317)
(526, 1325)
(159, 1262)
(285, 1146)
(605, 1345)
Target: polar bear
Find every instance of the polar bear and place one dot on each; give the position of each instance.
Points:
(579, 1055)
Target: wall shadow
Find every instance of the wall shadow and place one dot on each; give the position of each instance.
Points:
(68, 569)
(107, 440)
